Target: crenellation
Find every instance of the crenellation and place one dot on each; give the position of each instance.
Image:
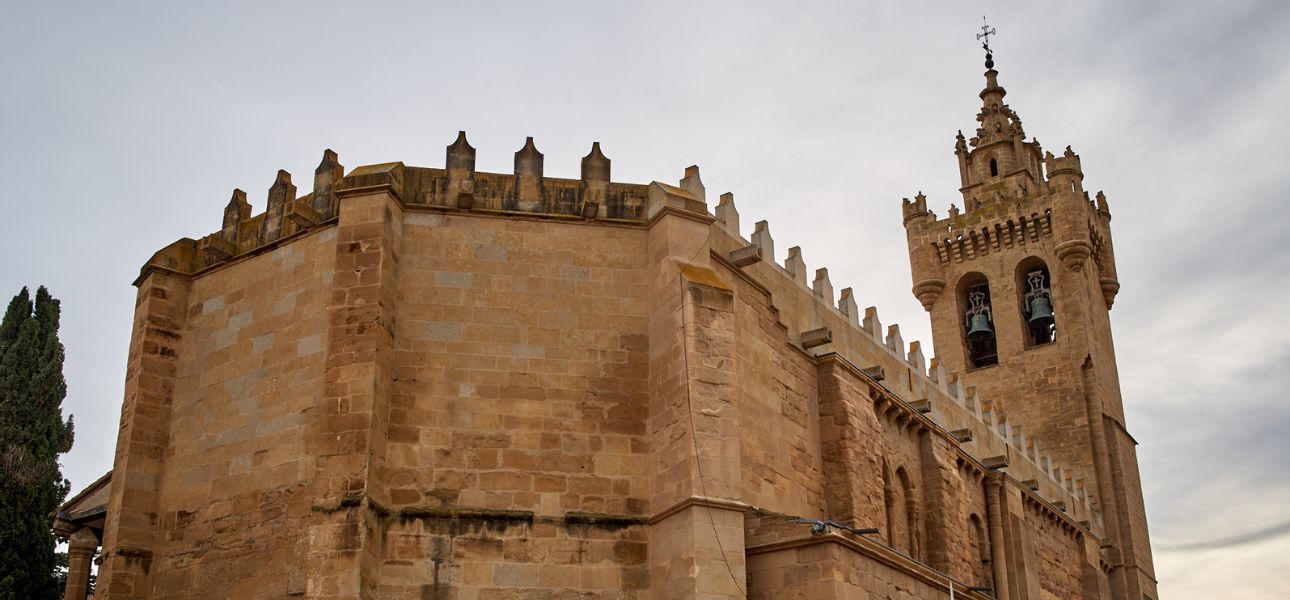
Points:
(958, 390)
(727, 215)
(595, 183)
(822, 287)
(894, 342)
(281, 193)
(936, 373)
(236, 213)
(988, 416)
(1003, 429)
(528, 193)
(1103, 207)
(761, 238)
(848, 307)
(328, 174)
(796, 266)
(457, 186)
(692, 183)
(872, 324)
(963, 242)
(460, 166)
(1018, 439)
(916, 210)
(916, 359)
(1064, 169)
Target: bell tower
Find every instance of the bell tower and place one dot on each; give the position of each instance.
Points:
(1019, 285)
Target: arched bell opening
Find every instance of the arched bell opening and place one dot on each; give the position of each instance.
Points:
(994, 168)
(979, 340)
(1034, 292)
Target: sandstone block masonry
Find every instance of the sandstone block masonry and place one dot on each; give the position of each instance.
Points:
(441, 383)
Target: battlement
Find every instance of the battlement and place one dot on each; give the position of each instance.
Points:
(1012, 213)
(824, 324)
(916, 209)
(967, 238)
(456, 187)
(820, 320)
(1067, 163)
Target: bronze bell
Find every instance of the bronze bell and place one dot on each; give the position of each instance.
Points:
(979, 328)
(1041, 311)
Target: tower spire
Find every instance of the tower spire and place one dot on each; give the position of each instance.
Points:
(997, 162)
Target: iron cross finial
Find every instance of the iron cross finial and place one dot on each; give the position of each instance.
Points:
(986, 32)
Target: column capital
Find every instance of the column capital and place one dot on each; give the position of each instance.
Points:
(83, 540)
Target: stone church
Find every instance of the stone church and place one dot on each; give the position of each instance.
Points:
(439, 383)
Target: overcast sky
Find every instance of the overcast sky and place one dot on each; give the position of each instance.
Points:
(125, 126)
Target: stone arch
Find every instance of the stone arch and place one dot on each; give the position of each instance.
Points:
(910, 540)
(1030, 271)
(979, 551)
(895, 507)
(981, 350)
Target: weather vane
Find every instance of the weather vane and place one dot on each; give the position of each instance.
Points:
(986, 32)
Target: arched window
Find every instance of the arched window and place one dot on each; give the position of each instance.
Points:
(994, 168)
(978, 320)
(912, 540)
(980, 551)
(1034, 290)
(897, 510)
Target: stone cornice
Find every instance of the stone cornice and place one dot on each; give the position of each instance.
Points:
(703, 218)
(879, 552)
(687, 502)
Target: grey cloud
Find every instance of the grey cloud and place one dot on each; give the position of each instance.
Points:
(1241, 539)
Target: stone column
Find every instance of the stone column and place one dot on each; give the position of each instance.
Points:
(998, 546)
(697, 533)
(130, 532)
(80, 557)
(348, 437)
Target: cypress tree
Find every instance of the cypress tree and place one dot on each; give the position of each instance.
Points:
(32, 435)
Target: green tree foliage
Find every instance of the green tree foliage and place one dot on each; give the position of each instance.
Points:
(32, 435)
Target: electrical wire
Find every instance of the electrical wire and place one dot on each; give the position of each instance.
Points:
(694, 441)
